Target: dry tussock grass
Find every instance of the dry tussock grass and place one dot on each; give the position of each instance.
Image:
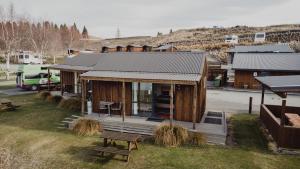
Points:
(43, 95)
(70, 104)
(54, 99)
(171, 136)
(87, 127)
(197, 138)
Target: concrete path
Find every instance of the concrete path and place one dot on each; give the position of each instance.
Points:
(238, 101)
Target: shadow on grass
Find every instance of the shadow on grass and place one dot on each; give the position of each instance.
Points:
(35, 114)
(247, 133)
(88, 154)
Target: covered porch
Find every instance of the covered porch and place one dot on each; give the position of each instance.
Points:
(154, 96)
(282, 121)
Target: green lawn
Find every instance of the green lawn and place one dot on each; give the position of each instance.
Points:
(29, 134)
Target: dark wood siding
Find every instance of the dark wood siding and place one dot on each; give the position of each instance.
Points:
(243, 78)
(286, 136)
(110, 91)
(67, 80)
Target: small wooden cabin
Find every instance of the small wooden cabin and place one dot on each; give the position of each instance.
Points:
(134, 48)
(121, 48)
(72, 68)
(106, 49)
(147, 48)
(247, 66)
(281, 121)
(148, 84)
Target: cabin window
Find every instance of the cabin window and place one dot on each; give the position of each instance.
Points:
(142, 99)
(26, 56)
(36, 57)
(21, 57)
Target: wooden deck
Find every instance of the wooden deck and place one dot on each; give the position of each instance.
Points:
(286, 136)
(215, 133)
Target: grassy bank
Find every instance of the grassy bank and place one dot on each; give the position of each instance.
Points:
(31, 136)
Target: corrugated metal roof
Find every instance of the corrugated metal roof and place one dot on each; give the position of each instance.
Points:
(267, 61)
(68, 67)
(83, 59)
(160, 62)
(144, 76)
(281, 48)
(281, 83)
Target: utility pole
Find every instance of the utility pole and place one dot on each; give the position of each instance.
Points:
(118, 34)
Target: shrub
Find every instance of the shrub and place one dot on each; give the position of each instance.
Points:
(87, 127)
(70, 104)
(171, 136)
(43, 95)
(197, 138)
(54, 99)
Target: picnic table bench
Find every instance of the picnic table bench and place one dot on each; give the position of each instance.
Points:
(6, 105)
(131, 140)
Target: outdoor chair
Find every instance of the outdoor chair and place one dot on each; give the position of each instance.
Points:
(102, 107)
(116, 107)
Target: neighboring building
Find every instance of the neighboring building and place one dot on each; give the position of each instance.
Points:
(147, 48)
(72, 68)
(165, 48)
(158, 85)
(216, 76)
(134, 48)
(247, 66)
(121, 48)
(269, 48)
(106, 49)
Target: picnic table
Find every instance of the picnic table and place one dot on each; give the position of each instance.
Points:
(131, 140)
(108, 105)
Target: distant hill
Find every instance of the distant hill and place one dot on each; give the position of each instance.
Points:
(212, 39)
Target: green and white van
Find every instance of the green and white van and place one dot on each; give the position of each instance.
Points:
(33, 77)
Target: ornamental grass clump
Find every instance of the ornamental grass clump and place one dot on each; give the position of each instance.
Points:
(43, 95)
(70, 104)
(197, 138)
(54, 99)
(87, 127)
(171, 136)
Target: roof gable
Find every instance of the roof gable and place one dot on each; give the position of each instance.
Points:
(269, 48)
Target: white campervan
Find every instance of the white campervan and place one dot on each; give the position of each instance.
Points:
(26, 57)
(260, 37)
(231, 39)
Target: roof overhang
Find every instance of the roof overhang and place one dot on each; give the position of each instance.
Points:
(70, 68)
(146, 77)
(281, 84)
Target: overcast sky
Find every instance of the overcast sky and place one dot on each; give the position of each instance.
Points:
(147, 17)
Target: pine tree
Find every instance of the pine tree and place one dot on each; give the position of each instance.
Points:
(85, 33)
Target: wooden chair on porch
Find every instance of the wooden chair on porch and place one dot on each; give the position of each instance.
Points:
(102, 107)
(117, 107)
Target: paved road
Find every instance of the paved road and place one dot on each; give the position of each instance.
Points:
(234, 101)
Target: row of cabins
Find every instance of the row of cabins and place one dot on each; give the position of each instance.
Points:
(139, 48)
(247, 62)
(166, 85)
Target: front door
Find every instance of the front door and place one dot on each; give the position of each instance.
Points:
(142, 97)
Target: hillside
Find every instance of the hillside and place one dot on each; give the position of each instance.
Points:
(212, 39)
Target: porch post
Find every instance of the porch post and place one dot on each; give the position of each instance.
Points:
(61, 83)
(123, 101)
(75, 83)
(263, 95)
(171, 104)
(194, 105)
(48, 79)
(83, 96)
(283, 107)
